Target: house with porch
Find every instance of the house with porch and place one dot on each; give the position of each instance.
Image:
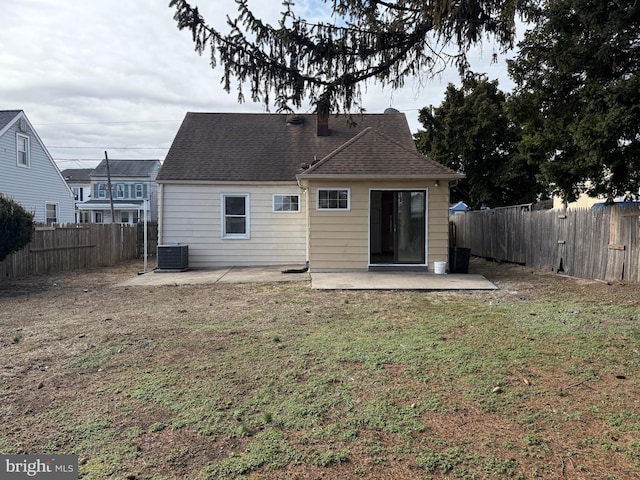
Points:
(80, 184)
(28, 174)
(133, 190)
(277, 189)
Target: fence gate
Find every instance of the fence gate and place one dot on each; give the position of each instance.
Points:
(562, 263)
(629, 228)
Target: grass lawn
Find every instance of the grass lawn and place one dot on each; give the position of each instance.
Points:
(540, 379)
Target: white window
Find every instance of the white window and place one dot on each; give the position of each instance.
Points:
(139, 190)
(24, 150)
(98, 217)
(78, 193)
(103, 190)
(286, 203)
(120, 190)
(124, 217)
(334, 199)
(51, 213)
(235, 216)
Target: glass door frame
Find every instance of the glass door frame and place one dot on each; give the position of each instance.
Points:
(370, 223)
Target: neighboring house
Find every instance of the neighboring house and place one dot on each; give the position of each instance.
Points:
(458, 208)
(28, 174)
(133, 190)
(275, 189)
(622, 203)
(584, 201)
(80, 183)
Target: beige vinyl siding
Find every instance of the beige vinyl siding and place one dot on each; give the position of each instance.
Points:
(438, 226)
(339, 240)
(191, 215)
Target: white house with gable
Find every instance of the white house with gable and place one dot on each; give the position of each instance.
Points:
(29, 175)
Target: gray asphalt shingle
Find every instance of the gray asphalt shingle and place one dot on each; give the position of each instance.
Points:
(264, 147)
(125, 168)
(6, 116)
(373, 153)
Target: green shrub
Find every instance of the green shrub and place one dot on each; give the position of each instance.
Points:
(16, 227)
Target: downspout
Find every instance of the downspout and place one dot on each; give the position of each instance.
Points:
(160, 211)
(305, 191)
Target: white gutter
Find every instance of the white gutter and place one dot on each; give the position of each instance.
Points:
(160, 211)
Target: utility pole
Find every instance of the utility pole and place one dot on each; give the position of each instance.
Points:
(113, 215)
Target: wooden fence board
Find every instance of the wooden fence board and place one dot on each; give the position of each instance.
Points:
(603, 244)
(152, 239)
(615, 265)
(630, 234)
(72, 247)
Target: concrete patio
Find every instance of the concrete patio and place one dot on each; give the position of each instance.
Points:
(319, 281)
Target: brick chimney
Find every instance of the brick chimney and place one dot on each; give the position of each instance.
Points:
(322, 119)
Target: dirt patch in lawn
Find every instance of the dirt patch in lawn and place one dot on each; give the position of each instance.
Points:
(266, 381)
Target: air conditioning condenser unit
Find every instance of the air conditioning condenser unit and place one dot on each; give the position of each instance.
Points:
(173, 257)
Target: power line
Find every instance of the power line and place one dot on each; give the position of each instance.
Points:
(77, 159)
(109, 148)
(106, 123)
(67, 160)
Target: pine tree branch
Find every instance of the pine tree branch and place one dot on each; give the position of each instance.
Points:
(297, 59)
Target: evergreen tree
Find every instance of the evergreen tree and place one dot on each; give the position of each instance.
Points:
(16, 227)
(328, 62)
(470, 132)
(577, 95)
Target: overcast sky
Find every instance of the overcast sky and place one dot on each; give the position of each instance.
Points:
(117, 75)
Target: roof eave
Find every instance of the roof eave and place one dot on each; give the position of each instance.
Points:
(365, 176)
(225, 182)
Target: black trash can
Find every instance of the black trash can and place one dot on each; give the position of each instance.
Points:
(459, 259)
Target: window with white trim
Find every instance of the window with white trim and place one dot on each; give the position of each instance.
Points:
(334, 199)
(235, 216)
(139, 190)
(51, 213)
(103, 190)
(98, 217)
(286, 203)
(120, 190)
(78, 193)
(23, 150)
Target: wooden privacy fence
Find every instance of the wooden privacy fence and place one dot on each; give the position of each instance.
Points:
(72, 247)
(152, 239)
(599, 244)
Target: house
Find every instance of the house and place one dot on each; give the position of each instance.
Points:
(584, 200)
(28, 174)
(458, 208)
(80, 183)
(275, 189)
(133, 190)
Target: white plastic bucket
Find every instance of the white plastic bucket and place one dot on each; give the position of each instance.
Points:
(439, 268)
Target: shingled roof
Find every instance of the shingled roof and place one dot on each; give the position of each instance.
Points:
(372, 153)
(126, 168)
(77, 174)
(266, 147)
(6, 116)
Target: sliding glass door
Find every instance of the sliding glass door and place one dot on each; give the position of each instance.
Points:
(397, 227)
